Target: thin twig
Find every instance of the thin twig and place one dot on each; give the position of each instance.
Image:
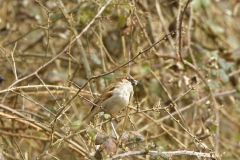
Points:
(40, 126)
(19, 150)
(164, 25)
(62, 52)
(180, 30)
(215, 105)
(23, 136)
(14, 64)
(189, 35)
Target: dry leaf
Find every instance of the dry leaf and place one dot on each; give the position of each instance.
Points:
(131, 22)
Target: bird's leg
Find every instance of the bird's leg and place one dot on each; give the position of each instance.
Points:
(114, 130)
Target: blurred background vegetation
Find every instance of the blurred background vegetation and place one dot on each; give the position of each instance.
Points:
(187, 104)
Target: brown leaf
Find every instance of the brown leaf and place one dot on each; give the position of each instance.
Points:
(101, 138)
(131, 138)
(135, 22)
(125, 31)
(131, 22)
(110, 146)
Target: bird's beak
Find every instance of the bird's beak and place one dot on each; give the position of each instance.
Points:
(134, 82)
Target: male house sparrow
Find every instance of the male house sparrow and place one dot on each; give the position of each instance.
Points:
(114, 98)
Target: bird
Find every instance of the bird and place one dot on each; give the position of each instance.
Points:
(114, 98)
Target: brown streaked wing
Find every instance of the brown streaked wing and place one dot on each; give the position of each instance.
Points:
(107, 93)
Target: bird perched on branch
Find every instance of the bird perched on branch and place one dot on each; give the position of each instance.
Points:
(114, 98)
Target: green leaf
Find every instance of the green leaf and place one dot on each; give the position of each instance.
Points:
(213, 128)
(95, 59)
(216, 28)
(145, 68)
(76, 123)
(223, 76)
(213, 84)
(238, 107)
(86, 16)
(121, 21)
(107, 116)
(214, 72)
(197, 5)
(213, 53)
(224, 64)
(92, 133)
(56, 16)
(206, 3)
(154, 87)
(109, 76)
(238, 87)
(38, 133)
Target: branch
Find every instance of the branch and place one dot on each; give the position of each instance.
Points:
(164, 155)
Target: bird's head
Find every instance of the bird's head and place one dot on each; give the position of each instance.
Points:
(129, 78)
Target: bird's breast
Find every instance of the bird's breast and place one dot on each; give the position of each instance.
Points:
(119, 100)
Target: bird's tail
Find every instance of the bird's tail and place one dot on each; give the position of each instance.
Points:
(88, 118)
